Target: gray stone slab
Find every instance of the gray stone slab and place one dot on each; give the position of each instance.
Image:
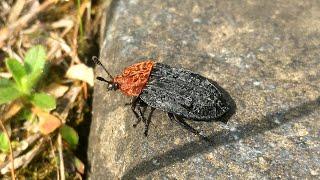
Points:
(264, 53)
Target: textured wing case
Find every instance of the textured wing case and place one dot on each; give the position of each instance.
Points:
(184, 93)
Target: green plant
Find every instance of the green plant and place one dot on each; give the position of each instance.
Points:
(23, 87)
(26, 77)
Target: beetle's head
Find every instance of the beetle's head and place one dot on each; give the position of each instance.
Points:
(111, 85)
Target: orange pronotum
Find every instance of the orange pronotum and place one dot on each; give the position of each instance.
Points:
(134, 78)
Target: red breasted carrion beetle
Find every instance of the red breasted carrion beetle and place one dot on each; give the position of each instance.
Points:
(181, 93)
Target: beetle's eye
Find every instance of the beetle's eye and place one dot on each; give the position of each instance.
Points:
(113, 87)
(116, 86)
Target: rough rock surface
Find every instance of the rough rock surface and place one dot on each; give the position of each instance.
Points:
(264, 53)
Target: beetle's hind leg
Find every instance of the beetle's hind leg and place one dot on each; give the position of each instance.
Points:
(186, 126)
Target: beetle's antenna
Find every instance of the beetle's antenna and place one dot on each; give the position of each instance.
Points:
(96, 60)
(104, 80)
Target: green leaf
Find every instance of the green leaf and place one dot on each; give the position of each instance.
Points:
(8, 91)
(70, 135)
(4, 143)
(44, 101)
(17, 70)
(34, 63)
(30, 81)
(35, 59)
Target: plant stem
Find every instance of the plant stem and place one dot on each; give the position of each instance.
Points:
(13, 176)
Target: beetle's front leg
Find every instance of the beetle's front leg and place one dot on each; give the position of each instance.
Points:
(133, 108)
(137, 104)
(147, 123)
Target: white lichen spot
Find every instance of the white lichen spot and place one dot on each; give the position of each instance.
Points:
(314, 172)
(233, 129)
(237, 61)
(128, 39)
(202, 133)
(212, 55)
(224, 51)
(133, 1)
(155, 162)
(277, 38)
(276, 120)
(256, 83)
(197, 20)
(235, 137)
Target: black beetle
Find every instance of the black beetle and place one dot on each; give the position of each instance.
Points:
(181, 93)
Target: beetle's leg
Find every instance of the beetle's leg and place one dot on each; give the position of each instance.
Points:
(133, 108)
(137, 103)
(186, 126)
(141, 117)
(147, 123)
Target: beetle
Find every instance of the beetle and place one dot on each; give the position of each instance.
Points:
(179, 92)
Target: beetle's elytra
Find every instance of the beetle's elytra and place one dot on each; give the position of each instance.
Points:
(181, 93)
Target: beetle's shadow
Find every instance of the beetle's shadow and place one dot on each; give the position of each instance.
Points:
(224, 137)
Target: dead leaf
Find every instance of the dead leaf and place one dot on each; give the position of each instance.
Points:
(56, 90)
(11, 110)
(81, 72)
(47, 122)
(6, 75)
(79, 165)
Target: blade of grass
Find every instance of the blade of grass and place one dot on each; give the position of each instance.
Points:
(55, 159)
(60, 149)
(79, 18)
(21, 22)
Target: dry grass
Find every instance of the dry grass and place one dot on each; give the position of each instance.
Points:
(69, 31)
